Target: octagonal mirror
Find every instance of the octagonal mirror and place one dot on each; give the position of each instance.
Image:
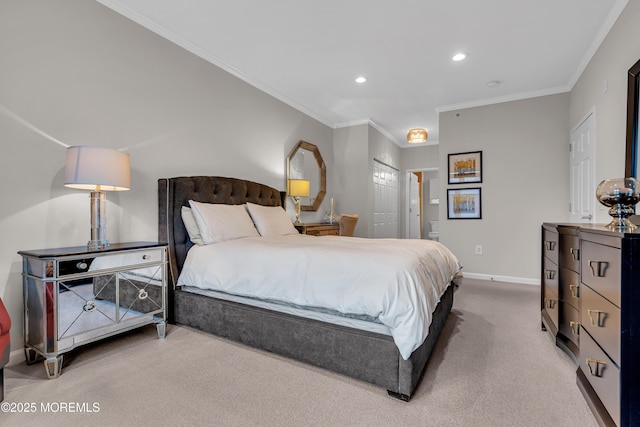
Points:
(305, 162)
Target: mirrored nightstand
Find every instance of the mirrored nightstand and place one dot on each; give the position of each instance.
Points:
(74, 296)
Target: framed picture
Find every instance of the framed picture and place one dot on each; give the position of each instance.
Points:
(464, 203)
(465, 167)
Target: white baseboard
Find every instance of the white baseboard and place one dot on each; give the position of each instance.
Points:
(16, 357)
(490, 277)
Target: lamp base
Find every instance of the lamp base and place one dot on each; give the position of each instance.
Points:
(98, 221)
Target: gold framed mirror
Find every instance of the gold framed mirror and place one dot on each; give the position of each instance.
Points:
(305, 162)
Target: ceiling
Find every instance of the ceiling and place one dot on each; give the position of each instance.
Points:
(308, 53)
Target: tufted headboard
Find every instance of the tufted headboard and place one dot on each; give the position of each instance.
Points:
(174, 193)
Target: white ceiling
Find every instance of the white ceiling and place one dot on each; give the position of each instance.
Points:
(308, 53)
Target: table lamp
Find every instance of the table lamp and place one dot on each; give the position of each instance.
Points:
(97, 169)
(298, 188)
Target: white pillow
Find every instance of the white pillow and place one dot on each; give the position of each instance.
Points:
(271, 220)
(191, 226)
(218, 222)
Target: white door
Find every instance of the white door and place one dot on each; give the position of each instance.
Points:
(385, 203)
(582, 166)
(414, 206)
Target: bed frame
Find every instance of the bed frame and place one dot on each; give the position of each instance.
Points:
(366, 356)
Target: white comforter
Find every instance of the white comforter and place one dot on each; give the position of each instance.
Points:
(399, 282)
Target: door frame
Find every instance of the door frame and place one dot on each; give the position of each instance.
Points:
(407, 197)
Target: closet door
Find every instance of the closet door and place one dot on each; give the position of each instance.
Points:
(385, 204)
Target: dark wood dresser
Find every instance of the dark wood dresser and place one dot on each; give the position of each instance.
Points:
(591, 306)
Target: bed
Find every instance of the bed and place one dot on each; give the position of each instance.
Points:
(323, 338)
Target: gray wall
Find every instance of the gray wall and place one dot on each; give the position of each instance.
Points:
(524, 148)
(608, 69)
(76, 73)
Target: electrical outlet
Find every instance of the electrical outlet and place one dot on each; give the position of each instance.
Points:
(478, 249)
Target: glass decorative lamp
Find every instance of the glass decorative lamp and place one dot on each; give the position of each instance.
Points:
(97, 169)
(620, 195)
(298, 188)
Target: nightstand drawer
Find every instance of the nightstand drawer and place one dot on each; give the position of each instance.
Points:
(602, 320)
(601, 270)
(129, 259)
(319, 229)
(602, 374)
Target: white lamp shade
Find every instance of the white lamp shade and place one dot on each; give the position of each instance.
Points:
(97, 168)
(298, 188)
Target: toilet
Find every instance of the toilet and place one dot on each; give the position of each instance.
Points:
(434, 234)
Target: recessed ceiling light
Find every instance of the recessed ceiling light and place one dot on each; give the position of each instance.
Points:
(361, 79)
(459, 56)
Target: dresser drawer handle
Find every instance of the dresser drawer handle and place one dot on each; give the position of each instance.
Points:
(597, 317)
(550, 274)
(575, 328)
(81, 265)
(598, 268)
(594, 366)
(575, 254)
(145, 257)
(575, 290)
(549, 303)
(550, 245)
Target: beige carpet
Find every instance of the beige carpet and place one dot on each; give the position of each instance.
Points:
(492, 367)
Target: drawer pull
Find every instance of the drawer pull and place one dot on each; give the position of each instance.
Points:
(89, 306)
(81, 265)
(575, 328)
(575, 290)
(550, 245)
(550, 274)
(598, 268)
(549, 303)
(575, 254)
(145, 257)
(594, 366)
(597, 317)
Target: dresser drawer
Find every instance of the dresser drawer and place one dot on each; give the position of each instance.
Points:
(601, 270)
(602, 374)
(550, 275)
(550, 245)
(570, 287)
(569, 254)
(551, 306)
(570, 323)
(602, 320)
